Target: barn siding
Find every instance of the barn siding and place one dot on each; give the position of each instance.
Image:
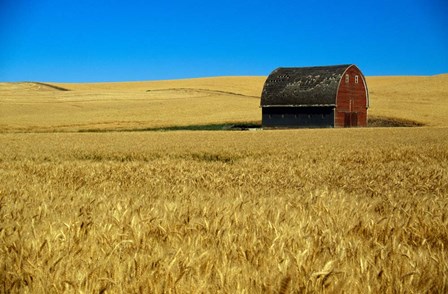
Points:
(298, 117)
(351, 97)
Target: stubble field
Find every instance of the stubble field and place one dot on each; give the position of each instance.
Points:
(340, 210)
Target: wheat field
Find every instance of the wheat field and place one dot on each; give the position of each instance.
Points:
(290, 211)
(114, 106)
(37, 107)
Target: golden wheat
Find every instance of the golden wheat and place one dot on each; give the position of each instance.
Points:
(349, 210)
(31, 107)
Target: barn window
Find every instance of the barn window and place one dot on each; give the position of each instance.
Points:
(356, 79)
(347, 78)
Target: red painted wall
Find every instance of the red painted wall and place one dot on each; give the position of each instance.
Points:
(351, 100)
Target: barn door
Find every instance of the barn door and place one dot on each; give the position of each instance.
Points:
(350, 119)
(353, 119)
(347, 120)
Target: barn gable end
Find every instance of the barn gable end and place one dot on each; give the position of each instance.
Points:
(315, 97)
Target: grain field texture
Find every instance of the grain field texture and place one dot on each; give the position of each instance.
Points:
(40, 107)
(209, 212)
(113, 106)
(290, 211)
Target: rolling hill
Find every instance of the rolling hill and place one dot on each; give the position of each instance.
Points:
(37, 107)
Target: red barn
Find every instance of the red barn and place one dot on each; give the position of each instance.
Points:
(321, 96)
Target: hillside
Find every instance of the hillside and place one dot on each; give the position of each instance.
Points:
(137, 105)
(422, 99)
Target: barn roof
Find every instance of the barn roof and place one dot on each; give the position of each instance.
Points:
(303, 86)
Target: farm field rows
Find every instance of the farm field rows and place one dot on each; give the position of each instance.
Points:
(89, 207)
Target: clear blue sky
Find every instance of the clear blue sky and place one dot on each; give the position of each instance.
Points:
(100, 40)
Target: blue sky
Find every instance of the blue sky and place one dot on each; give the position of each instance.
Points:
(88, 41)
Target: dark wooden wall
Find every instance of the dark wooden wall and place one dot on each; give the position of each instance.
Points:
(351, 100)
(298, 117)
